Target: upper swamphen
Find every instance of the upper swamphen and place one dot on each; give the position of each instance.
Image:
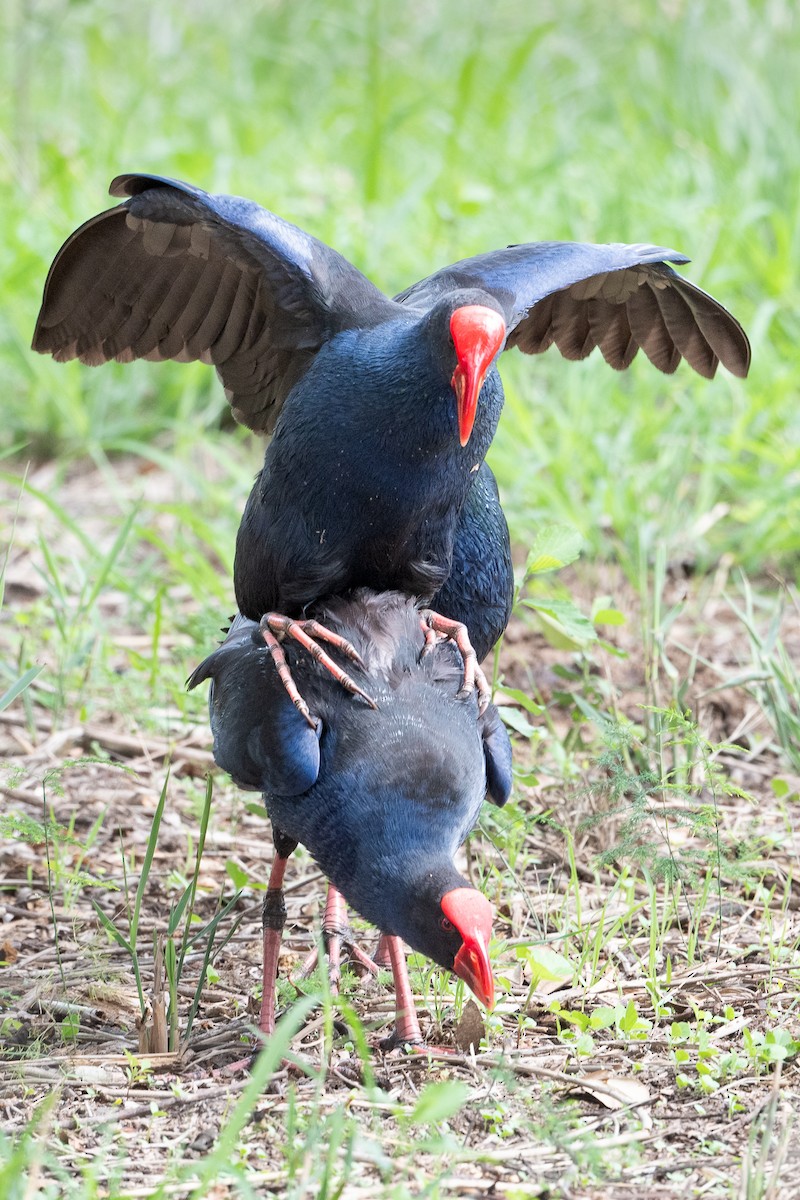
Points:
(375, 474)
(382, 799)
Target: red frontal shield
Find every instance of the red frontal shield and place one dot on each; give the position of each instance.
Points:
(478, 334)
(471, 914)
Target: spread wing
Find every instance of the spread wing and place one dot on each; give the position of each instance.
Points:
(618, 297)
(174, 272)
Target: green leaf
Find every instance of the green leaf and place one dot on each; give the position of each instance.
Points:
(584, 1045)
(629, 1019)
(590, 712)
(439, 1101)
(19, 686)
(103, 569)
(574, 1017)
(236, 874)
(522, 699)
(603, 1017)
(111, 928)
(177, 912)
(70, 1026)
(546, 963)
(515, 720)
(554, 546)
(563, 624)
(609, 616)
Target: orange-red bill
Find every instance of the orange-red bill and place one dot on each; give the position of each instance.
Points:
(478, 334)
(471, 914)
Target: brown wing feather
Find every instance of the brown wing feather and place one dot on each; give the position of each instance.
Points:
(649, 307)
(650, 331)
(571, 328)
(176, 273)
(616, 296)
(612, 333)
(534, 335)
(685, 331)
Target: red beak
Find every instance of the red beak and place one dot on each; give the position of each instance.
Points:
(471, 914)
(478, 334)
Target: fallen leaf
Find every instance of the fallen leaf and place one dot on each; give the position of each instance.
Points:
(470, 1029)
(613, 1091)
(8, 953)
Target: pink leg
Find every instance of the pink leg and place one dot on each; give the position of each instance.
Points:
(455, 631)
(273, 919)
(406, 1028)
(382, 957)
(333, 926)
(336, 933)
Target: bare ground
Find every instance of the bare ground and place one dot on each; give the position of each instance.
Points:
(543, 1120)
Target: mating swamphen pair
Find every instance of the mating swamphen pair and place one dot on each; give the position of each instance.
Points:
(382, 797)
(381, 412)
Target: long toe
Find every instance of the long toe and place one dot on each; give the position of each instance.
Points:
(308, 634)
(340, 943)
(456, 631)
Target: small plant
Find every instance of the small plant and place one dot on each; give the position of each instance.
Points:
(649, 803)
(560, 620)
(773, 679)
(556, 614)
(768, 1047)
(168, 958)
(576, 1028)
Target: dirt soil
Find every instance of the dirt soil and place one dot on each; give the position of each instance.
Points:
(617, 1122)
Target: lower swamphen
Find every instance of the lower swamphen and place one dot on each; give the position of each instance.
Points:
(382, 410)
(381, 797)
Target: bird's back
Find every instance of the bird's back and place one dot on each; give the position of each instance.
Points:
(411, 773)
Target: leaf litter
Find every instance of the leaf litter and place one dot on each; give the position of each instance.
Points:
(667, 1062)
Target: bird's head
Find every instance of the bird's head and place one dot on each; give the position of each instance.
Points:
(454, 930)
(478, 333)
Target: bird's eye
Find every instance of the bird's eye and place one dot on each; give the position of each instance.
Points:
(445, 924)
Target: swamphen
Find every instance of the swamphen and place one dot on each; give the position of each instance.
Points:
(375, 474)
(382, 798)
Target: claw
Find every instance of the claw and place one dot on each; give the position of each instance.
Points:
(431, 638)
(304, 632)
(337, 935)
(455, 631)
(279, 658)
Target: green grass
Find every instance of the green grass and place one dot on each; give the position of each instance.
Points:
(410, 137)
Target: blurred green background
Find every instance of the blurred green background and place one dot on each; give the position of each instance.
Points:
(408, 135)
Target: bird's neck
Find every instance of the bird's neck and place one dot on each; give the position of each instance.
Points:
(415, 413)
(381, 892)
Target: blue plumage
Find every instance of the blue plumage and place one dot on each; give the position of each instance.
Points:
(365, 482)
(382, 798)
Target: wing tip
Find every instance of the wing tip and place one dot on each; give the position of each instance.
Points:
(125, 186)
(740, 365)
(43, 342)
